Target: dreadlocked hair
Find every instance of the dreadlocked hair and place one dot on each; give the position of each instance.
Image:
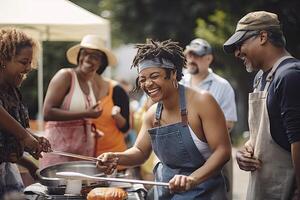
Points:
(12, 41)
(167, 49)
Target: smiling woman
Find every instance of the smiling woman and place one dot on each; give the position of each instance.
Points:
(17, 58)
(181, 127)
(70, 102)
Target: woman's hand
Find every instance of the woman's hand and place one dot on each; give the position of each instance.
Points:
(95, 111)
(115, 111)
(108, 163)
(32, 146)
(181, 183)
(119, 119)
(44, 143)
(35, 145)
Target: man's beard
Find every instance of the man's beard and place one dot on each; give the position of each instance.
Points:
(193, 69)
(249, 68)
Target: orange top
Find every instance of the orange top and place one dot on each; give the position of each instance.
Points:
(113, 139)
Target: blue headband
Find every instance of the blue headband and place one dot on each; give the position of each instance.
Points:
(156, 62)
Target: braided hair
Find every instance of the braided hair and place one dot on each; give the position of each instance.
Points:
(167, 49)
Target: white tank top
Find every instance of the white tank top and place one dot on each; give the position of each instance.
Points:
(201, 146)
(76, 100)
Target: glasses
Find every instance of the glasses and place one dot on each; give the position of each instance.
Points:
(191, 54)
(95, 55)
(247, 36)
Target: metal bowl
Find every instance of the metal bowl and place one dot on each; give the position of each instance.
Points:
(48, 177)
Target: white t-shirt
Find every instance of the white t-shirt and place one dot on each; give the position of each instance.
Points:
(220, 89)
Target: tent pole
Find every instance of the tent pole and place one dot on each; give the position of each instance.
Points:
(40, 116)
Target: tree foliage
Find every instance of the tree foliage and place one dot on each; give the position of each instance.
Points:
(135, 20)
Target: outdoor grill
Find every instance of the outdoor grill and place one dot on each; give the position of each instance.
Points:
(51, 186)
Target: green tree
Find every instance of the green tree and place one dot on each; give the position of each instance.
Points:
(133, 21)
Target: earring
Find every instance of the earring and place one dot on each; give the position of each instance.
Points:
(175, 84)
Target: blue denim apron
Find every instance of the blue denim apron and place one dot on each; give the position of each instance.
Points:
(178, 154)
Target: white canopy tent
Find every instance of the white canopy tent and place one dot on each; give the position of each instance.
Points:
(52, 20)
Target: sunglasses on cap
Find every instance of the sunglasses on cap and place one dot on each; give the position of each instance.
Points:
(247, 36)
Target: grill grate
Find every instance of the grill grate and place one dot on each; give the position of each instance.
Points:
(131, 196)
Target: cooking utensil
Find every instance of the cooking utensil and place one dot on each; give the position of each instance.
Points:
(75, 156)
(77, 175)
(48, 177)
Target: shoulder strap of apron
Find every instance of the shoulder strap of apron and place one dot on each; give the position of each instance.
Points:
(158, 113)
(183, 110)
(272, 72)
(257, 80)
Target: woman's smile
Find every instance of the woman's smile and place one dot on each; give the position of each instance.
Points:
(153, 92)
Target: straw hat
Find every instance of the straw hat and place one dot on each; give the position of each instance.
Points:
(91, 42)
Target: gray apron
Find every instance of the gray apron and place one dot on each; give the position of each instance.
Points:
(178, 154)
(275, 178)
(10, 179)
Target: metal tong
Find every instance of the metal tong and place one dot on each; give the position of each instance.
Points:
(75, 156)
(80, 176)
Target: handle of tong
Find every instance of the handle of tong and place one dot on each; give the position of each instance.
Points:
(75, 156)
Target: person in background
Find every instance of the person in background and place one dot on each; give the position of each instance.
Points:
(199, 57)
(185, 128)
(70, 102)
(131, 134)
(114, 121)
(272, 154)
(17, 58)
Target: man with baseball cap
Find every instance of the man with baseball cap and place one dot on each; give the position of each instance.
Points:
(199, 58)
(272, 154)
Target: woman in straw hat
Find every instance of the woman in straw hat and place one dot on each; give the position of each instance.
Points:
(70, 102)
